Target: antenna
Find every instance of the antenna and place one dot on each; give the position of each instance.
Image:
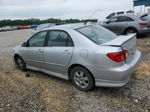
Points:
(90, 17)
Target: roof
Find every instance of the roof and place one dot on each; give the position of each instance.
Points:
(68, 26)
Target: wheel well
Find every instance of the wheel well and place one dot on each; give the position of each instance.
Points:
(15, 57)
(130, 28)
(77, 65)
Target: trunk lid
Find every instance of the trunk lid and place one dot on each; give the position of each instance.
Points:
(126, 43)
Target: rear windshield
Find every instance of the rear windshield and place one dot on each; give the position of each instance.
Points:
(97, 34)
(145, 18)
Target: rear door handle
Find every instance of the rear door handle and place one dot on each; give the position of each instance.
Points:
(67, 52)
(40, 50)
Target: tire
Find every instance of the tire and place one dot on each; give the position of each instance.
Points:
(20, 63)
(130, 31)
(82, 79)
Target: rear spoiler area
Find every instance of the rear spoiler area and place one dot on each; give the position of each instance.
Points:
(120, 40)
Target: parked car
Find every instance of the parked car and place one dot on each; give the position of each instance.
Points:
(22, 27)
(128, 23)
(46, 25)
(34, 25)
(61, 23)
(88, 55)
(8, 28)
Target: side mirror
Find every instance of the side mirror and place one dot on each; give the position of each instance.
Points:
(24, 44)
(107, 22)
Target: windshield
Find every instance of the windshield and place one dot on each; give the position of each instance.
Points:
(97, 34)
(145, 17)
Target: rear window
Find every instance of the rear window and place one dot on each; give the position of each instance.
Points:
(145, 18)
(97, 34)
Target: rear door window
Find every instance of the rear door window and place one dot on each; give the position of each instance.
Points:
(124, 19)
(59, 39)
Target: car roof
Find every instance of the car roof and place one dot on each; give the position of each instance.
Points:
(67, 26)
(132, 14)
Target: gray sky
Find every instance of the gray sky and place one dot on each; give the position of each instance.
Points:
(77, 9)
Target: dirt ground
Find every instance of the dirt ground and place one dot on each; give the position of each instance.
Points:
(37, 92)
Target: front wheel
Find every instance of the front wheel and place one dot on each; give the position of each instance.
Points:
(20, 63)
(82, 79)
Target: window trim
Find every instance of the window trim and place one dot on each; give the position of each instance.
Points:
(125, 17)
(86, 35)
(47, 38)
(35, 35)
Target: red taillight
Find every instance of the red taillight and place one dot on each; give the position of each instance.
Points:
(144, 23)
(118, 56)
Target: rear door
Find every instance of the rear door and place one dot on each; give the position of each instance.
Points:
(58, 51)
(122, 23)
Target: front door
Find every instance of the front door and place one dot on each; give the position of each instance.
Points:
(33, 53)
(58, 51)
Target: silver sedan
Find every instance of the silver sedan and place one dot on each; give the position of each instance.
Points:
(88, 55)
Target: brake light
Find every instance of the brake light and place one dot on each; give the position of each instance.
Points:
(144, 23)
(118, 56)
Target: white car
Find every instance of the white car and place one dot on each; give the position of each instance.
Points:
(8, 28)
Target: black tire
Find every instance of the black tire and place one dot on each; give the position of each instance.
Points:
(84, 83)
(130, 31)
(20, 63)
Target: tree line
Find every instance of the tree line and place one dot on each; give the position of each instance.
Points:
(38, 21)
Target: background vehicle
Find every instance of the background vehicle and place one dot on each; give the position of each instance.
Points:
(34, 25)
(46, 25)
(61, 23)
(8, 28)
(128, 23)
(89, 55)
(22, 27)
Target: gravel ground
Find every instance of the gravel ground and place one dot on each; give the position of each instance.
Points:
(37, 92)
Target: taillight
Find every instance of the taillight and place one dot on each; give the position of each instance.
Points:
(144, 23)
(118, 56)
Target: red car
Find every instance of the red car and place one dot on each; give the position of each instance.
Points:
(22, 27)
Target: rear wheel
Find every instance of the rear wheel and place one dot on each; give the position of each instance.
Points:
(82, 79)
(20, 63)
(130, 31)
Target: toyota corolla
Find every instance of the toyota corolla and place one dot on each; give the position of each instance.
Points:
(88, 55)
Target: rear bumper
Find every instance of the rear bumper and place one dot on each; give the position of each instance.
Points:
(117, 77)
(144, 31)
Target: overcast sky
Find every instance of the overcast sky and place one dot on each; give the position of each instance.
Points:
(64, 9)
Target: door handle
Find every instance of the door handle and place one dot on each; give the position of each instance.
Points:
(40, 50)
(67, 52)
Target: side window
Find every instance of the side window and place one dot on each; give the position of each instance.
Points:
(114, 19)
(37, 40)
(124, 19)
(59, 38)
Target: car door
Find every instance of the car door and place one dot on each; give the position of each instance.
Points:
(33, 53)
(111, 24)
(58, 51)
(119, 23)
